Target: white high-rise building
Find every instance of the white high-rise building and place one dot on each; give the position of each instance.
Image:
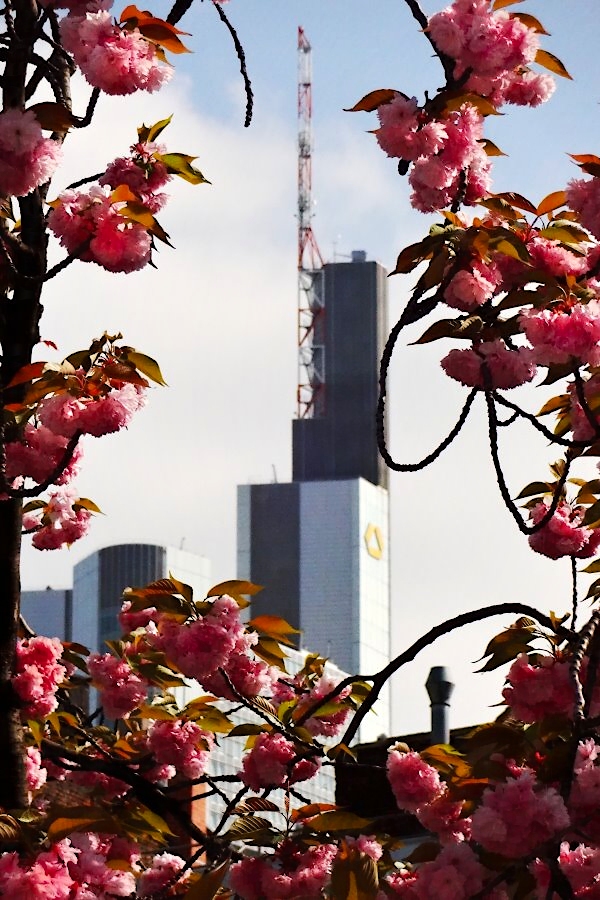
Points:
(320, 544)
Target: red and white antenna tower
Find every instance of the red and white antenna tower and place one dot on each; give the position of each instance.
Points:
(311, 309)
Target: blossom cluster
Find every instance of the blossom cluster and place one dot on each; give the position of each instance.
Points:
(90, 224)
(86, 866)
(287, 875)
(215, 650)
(492, 51)
(495, 49)
(27, 158)
(38, 675)
(112, 58)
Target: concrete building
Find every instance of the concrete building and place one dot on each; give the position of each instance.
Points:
(320, 544)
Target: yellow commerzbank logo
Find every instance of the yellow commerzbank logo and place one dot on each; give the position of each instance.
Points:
(374, 541)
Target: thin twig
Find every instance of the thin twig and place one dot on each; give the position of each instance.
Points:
(380, 678)
(513, 509)
(242, 59)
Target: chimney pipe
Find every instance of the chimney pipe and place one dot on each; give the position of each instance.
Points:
(439, 687)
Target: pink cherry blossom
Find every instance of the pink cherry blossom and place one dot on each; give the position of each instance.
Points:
(507, 368)
(468, 289)
(91, 867)
(59, 522)
(90, 217)
(289, 874)
(121, 690)
(39, 453)
(443, 817)
(460, 165)
(129, 620)
(564, 534)
(455, 874)
(483, 42)
(162, 873)
(581, 865)
(273, 761)
(404, 134)
(413, 781)
(583, 196)
(538, 689)
(557, 334)
(35, 773)
(517, 816)
(142, 173)
(552, 257)
(200, 647)
(183, 745)
(38, 674)
(115, 60)
(27, 158)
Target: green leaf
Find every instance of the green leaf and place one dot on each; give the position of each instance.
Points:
(562, 401)
(147, 366)
(465, 328)
(84, 503)
(245, 730)
(181, 164)
(517, 200)
(445, 758)
(566, 232)
(272, 626)
(146, 134)
(532, 490)
(455, 99)
(234, 587)
(255, 804)
(594, 589)
(593, 567)
(500, 4)
(354, 876)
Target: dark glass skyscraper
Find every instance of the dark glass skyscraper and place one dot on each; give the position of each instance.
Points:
(319, 544)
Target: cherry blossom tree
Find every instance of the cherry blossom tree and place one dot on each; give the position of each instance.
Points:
(515, 812)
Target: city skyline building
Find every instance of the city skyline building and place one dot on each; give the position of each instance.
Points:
(319, 544)
(88, 612)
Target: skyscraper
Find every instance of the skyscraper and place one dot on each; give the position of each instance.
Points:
(319, 544)
(88, 612)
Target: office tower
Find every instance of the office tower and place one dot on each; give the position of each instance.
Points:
(87, 613)
(320, 544)
(49, 612)
(99, 581)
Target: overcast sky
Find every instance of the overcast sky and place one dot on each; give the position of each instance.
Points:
(219, 313)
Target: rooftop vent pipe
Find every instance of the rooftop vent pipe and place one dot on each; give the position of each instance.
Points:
(439, 687)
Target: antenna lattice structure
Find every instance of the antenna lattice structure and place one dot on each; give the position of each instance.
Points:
(311, 308)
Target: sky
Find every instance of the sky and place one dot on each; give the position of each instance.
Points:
(219, 312)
